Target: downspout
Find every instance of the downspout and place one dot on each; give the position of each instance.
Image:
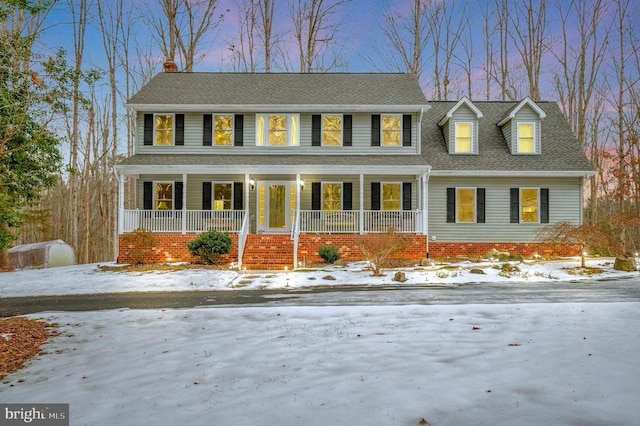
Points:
(425, 206)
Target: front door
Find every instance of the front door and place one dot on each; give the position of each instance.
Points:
(276, 204)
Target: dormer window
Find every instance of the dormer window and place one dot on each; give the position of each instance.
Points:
(521, 127)
(460, 127)
(463, 138)
(526, 138)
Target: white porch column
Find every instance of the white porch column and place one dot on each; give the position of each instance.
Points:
(425, 204)
(247, 189)
(361, 204)
(121, 179)
(184, 203)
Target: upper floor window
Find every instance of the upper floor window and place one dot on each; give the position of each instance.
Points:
(163, 129)
(463, 137)
(163, 196)
(331, 196)
(526, 138)
(391, 130)
(332, 130)
(277, 129)
(223, 130)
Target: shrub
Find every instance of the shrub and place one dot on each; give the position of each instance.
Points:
(329, 254)
(378, 248)
(210, 246)
(139, 245)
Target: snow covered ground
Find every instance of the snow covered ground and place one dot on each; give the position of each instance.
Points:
(510, 364)
(89, 279)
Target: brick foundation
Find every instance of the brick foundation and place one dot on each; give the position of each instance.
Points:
(444, 250)
(173, 248)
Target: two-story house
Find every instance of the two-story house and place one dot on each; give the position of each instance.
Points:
(288, 162)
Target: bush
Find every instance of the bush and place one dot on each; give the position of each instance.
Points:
(210, 246)
(139, 245)
(329, 254)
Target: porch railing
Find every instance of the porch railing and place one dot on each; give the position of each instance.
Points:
(348, 221)
(171, 220)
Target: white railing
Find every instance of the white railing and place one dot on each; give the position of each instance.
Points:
(172, 220)
(242, 239)
(348, 221)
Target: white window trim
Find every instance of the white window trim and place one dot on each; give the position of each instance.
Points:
(382, 194)
(173, 142)
(173, 193)
(341, 193)
(520, 205)
(213, 129)
(475, 203)
(293, 140)
(213, 192)
(341, 128)
(535, 137)
(382, 144)
(455, 137)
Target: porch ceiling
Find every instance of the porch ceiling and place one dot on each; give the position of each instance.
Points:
(273, 164)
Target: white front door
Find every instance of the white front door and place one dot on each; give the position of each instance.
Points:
(276, 205)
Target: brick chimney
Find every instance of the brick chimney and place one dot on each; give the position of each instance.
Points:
(169, 66)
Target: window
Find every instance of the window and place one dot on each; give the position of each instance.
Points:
(391, 196)
(332, 130)
(463, 138)
(164, 128)
(391, 130)
(331, 196)
(526, 138)
(529, 205)
(222, 196)
(277, 130)
(223, 130)
(163, 196)
(466, 205)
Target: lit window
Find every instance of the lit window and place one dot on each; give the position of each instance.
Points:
(391, 196)
(332, 130)
(223, 130)
(163, 195)
(463, 137)
(526, 144)
(222, 196)
(529, 205)
(331, 196)
(277, 130)
(466, 205)
(163, 129)
(391, 130)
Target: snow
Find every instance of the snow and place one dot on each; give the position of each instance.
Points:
(499, 364)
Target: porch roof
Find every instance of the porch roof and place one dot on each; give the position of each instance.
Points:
(274, 164)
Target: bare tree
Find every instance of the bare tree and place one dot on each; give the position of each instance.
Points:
(446, 36)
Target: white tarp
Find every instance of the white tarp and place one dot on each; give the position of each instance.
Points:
(46, 254)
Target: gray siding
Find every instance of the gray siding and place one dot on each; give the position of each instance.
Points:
(564, 205)
(193, 124)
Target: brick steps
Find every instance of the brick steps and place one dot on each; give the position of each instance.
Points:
(268, 252)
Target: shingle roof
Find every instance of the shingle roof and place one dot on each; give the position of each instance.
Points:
(560, 149)
(280, 89)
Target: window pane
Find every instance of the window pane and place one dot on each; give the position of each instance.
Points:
(223, 130)
(223, 137)
(164, 122)
(391, 196)
(463, 137)
(391, 122)
(332, 130)
(529, 205)
(525, 138)
(222, 198)
(278, 122)
(164, 196)
(164, 129)
(332, 196)
(391, 130)
(278, 130)
(466, 204)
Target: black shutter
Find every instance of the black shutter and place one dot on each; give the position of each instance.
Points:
(544, 205)
(480, 205)
(147, 195)
(375, 130)
(375, 195)
(316, 130)
(206, 195)
(406, 195)
(238, 130)
(148, 129)
(347, 196)
(347, 125)
(237, 196)
(207, 129)
(179, 129)
(451, 205)
(177, 194)
(315, 195)
(406, 130)
(515, 205)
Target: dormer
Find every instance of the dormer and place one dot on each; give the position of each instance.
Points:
(460, 127)
(522, 127)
